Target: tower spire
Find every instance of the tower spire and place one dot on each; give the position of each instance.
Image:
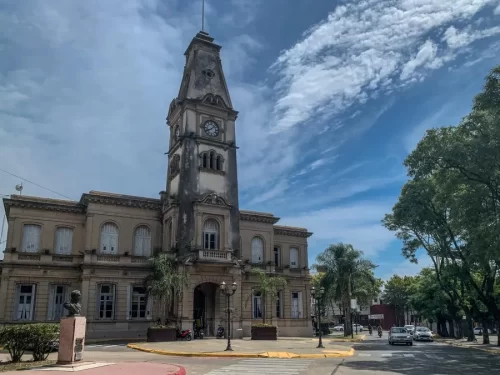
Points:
(202, 15)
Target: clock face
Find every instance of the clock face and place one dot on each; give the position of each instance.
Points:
(211, 128)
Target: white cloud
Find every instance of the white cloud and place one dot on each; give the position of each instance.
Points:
(360, 49)
(358, 224)
(406, 268)
(460, 38)
(497, 10)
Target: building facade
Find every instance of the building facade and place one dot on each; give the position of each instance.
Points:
(101, 243)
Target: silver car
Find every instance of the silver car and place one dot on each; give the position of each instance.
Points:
(400, 335)
(423, 334)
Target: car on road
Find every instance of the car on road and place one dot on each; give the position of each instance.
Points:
(358, 326)
(400, 335)
(423, 334)
(339, 327)
(410, 328)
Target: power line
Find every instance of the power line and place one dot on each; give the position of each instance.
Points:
(34, 183)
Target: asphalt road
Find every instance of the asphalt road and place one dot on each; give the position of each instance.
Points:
(372, 356)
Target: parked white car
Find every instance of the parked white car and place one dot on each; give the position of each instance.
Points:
(359, 327)
(479, 331)
(340, 327)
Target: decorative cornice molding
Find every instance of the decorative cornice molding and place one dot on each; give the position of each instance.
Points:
(292, 232)
(124, 200)
(247, 216)
(39, 204)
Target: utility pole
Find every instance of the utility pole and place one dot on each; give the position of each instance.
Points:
(350, 307)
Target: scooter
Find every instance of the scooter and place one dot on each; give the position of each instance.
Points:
(220, 332)
(198, 333)
(184, 335)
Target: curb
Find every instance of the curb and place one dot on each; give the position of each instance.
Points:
(491, 351)
(358, 339)
(282, 355)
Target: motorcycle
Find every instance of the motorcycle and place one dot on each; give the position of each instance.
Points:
(220, 332)
(379, 333)
(370, 331)
(184, 335)
(198, 333)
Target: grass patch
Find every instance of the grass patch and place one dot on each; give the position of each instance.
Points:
(24, 365)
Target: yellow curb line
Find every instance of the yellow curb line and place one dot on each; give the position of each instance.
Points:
(287, 355)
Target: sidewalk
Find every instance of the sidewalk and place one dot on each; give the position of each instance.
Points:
(463, 343)
(246, 348)
(112, 369)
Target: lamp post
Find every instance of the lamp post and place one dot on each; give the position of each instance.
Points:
(228, 292)
(318, 295)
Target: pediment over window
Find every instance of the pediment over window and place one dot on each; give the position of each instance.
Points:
(213, 199)
(215, 100)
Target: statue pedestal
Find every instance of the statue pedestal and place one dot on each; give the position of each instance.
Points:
(71, 339)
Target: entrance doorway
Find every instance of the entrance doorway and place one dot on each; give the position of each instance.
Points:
(205, 304)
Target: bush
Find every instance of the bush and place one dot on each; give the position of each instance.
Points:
(43, 338)
(38, 337)
(16, 339)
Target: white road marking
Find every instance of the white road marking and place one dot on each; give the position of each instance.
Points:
(408, 355)
(260, 366)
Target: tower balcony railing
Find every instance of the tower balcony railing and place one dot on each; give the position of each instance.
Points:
(222, 256)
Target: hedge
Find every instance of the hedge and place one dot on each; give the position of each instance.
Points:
(39, 338)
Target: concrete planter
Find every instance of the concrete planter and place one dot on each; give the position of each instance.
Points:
(161, 334)
(264, 333)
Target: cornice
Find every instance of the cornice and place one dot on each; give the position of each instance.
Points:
(292, 232)
(248, 216)
(45, 205)
(122, 200)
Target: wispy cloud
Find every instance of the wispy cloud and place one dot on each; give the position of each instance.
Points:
(364, 47)
(358, 224)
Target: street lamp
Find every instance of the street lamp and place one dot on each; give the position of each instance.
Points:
(318, 295)
(228, 292)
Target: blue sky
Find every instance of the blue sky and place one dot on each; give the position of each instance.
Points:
(332, 97)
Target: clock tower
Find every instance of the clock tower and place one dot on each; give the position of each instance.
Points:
(201, 202)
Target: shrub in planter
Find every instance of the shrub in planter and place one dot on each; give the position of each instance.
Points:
(264, 332)
(39, 338)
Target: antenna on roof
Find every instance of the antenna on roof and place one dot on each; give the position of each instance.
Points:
(202, 15)
(19, 188)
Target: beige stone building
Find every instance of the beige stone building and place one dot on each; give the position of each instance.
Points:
(101, 244)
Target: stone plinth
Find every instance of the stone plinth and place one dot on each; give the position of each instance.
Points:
(71, 339)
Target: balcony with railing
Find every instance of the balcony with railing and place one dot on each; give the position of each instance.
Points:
(217, 256)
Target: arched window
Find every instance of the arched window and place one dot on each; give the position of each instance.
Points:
(256, 305)
(109, 239)
(205, 160)
(211, 234)
(64, 241)
(257, 250)
(31, 238)
(212, 160)
(142, 241)
(218, 164)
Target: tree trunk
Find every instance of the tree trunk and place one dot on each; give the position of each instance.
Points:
(451, 329)
(459, 333)
(264, 308)
(498, 332)
(470, 326)
(486, 335)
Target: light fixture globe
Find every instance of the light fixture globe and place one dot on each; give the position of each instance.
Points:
(234, 286)
(313, 291)
(223, 285)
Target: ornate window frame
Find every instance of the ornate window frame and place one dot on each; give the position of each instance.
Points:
(174, 167)
(213, 162)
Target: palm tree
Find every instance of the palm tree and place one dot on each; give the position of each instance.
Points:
(268, 285)
(347, 275)
(165, 282)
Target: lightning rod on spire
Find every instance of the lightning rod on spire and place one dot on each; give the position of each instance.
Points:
(202, 15)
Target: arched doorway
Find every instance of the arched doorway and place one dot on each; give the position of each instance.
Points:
(205, 307)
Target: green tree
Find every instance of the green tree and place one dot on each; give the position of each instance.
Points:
(347, 275)
(165, 282)
(451, 205)
(398, 291)
(269, 285)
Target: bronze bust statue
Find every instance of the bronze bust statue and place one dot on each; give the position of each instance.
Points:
(74, 308)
